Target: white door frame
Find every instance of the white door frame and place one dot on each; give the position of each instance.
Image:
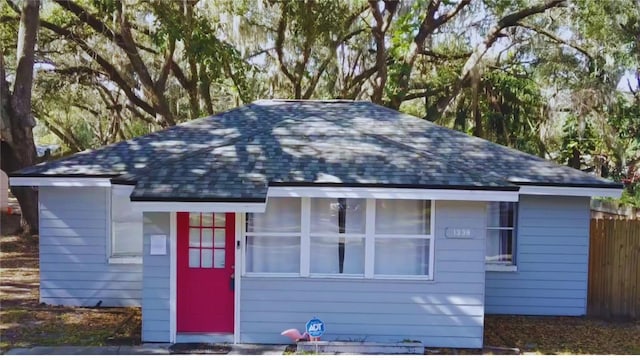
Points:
(173, 276)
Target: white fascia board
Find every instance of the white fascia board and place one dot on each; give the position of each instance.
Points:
(162, 206)
(392, 193)
(59, 181)
(570, 191)
(122, 190)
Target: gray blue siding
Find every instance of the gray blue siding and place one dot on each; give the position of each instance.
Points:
(155, 293)
(552, 259)
(74, 268)
(448, 311)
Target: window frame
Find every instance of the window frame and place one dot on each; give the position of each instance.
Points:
(503, 265)
(369, 244)
(110, 233)
(246, 234)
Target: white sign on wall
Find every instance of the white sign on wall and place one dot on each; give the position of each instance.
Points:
(458, 233)
(158, 245)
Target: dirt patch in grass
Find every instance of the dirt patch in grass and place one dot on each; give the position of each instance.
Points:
(562, 335)
(26, 323)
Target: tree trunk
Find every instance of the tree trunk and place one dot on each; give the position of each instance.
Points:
(18, 147)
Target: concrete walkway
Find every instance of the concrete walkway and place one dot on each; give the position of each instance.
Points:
(146, 349)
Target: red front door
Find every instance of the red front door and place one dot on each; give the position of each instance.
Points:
(205, 272)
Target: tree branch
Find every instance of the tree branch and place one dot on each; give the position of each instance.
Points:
(556, 39)
(166, 67)
(492, 36)
(428, 26)
(282, 27)
(25, 53)
(445, 57)
(111, 71)
(63, 134)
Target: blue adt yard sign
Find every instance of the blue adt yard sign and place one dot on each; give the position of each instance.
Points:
(315, 327)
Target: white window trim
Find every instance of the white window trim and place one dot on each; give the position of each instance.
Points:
(369, 262)
(498, 267)
(505, 266)
(432, 251)
(117, 259)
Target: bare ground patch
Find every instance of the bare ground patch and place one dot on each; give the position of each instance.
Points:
(25, 323)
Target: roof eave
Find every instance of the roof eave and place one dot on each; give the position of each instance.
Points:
(585, 191)
(170, 205)
(70, 180)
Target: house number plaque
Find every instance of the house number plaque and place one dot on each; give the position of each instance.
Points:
(457, 233)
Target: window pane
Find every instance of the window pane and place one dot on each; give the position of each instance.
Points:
(219, 239)
(403, 217)
(326, 254)
(194, 219)
(194, 258)
(500, 246)
(271, 254)
(501, 214)
(218, 259)
(194, 237)
(121, 209)
(126, 224)
(127, 238)
(281, 215)
(221, 219)
(401, 256)
(207, 258)
(207, 238)
(207, 219)
(325, 215)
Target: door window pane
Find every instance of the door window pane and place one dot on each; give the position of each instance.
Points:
(207, 258)
(194, 258)
(219, 238)
(194, 237)
(207, 238)
(207, 219)
(218, 258)
(194, 219)
(221, 220)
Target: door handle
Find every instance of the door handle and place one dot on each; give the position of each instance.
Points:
(232, 282)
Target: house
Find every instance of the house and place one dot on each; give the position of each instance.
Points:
(387, 227)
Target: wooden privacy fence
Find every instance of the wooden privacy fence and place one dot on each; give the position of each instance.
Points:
(614, 269)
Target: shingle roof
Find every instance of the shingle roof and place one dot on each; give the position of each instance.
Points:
(236, 155)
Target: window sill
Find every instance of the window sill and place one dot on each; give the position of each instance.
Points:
(501, 267)
(125, 260)
(339, 277)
